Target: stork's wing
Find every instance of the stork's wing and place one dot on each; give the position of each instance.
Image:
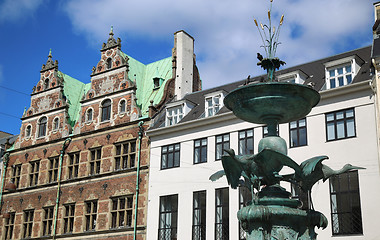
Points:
(232, 169)
(217, 175)
(308, 166)
(263, 157)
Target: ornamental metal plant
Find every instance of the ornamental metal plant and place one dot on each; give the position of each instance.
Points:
(272, 213)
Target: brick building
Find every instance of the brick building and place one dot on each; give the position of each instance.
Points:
(79, 167)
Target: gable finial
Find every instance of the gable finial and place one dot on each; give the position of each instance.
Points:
(50, 56)
(111, 32)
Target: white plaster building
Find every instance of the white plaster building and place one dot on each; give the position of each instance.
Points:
(185, 204)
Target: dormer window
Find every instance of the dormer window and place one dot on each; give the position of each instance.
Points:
(341, 72)
(174, 115)
(42, 127)
(109, 63)
(297, 76)
(213, 103)
(339, 76)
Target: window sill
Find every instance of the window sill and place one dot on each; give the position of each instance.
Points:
(339, 139)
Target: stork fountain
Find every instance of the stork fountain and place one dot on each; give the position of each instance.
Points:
(272, 213)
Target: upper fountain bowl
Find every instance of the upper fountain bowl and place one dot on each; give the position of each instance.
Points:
(272, 101)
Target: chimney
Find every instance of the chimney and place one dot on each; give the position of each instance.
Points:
(184, 54)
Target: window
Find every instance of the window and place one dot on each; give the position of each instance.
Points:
(109, 63)
(34, 170)
(48, 221)
(168, 217)
(73, 165)
(121, 212)
(212, 105)
(96, 157)
(199, 215)
(53, 169)
(346, 214)
(9, 226)
(221, 214)
(90, 214)
(28, 223)
(89, 115)
(200, 150)
(55, 124)
(246, 142)
(170, 156)
(68, 219)
(46, 83)
(245, 197)
(298, 133)
(265, 131)
(42, 127)
(28, 131)
(122, 106)
(106, 110)
(339, 76)
(16, 173)
(174, 115)
(125, 155)
(222, 143)
(340, 124)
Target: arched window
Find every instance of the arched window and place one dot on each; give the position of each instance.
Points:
(42, 127)
(89, 115)
(28, 131)
(46, 84)
(109, 63)
(106, 110)
(56, 124)
(122, 106)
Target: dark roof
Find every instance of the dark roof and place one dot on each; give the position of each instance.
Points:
(315, 72)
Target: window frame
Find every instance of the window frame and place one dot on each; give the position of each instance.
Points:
(55, 124)
(73, 165)
(199, 208)
(201, 149)
(106, 110)
(245, 140)
(174, 115)
(335, 122)
(47, 222)
(27, 224)
(169, 213)
(166, 153)
(69, 218)
(95, 161)
(53, 169)
(28, 131)
(9, 225)
(16, 174)
(298, 130)
(90, 214)
(125, 159)
(214, 107)
(337, 75)
(34, 171)
(42, 126)
(89, 115)
(224, 207)
(224, 144)
(121, 217)
(351, 192)
(122, 106)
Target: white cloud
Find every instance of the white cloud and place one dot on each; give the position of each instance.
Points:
(14, 10)
(226, 38)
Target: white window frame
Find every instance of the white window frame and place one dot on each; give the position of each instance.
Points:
(174, 115)
(341, 64)
(293, 77)
(87, 120)
(216, 105)
(54, 122)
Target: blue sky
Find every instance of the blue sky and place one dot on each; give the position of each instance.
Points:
(226, 40)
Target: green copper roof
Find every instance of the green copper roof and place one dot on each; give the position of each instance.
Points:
(73, 90)
(144, 80)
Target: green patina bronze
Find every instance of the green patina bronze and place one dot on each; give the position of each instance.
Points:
(272, 213)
